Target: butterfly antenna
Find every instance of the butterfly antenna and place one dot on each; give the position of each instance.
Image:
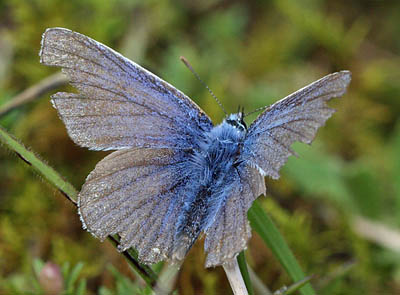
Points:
(255, 111)
(187, 64)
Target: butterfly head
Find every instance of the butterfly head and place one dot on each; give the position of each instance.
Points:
(236, 121)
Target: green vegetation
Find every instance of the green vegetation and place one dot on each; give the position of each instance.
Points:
(250, 54)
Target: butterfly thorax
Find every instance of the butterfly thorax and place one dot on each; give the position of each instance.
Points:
(220, 151)
(213, 166)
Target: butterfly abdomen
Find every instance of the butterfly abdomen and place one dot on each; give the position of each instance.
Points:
(212, 166)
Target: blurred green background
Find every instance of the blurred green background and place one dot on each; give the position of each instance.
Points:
(338, 205)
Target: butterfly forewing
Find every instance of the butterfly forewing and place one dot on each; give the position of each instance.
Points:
(294, 118)
(119, 103)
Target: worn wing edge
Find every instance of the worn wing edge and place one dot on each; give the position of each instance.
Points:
(180, 95)
(345, 74)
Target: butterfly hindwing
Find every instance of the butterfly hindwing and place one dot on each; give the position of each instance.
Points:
(119, 104)
(138, 194)
(230, 231)
(297, 117)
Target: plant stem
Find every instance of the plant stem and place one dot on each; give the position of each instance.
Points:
(235, 278)
(245, 272)
(52, 82)
(167, 278)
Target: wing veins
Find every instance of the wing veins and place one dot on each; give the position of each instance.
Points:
(286, 123)
(102, 78)
(287, 100)
(268, 161)
(163, 193)
(83, 97)
(97, 48)
(54, 47)
(139, 205)
(132, 67)
(129, 167)
(300, 99)
(293, 131)
(297, 112)
(104, 115)
(128, 99)
(289, 150)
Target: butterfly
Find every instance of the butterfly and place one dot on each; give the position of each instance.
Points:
(174, 176)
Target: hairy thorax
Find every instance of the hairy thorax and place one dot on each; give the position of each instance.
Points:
(220, 152)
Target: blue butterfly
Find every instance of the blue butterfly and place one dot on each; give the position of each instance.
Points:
(174, 175)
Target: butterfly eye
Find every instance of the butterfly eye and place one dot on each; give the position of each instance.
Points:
(243, 123)
(239, 125)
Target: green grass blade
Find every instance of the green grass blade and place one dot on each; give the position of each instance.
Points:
(37, 266)
(45, 170)
(245, 273)
(81, 289)
(267, 230)
(145, 271)
(296, 286)
(65, 269)
(73, 276)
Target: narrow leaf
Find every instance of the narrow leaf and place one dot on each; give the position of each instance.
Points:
(245, 273)
(145, 271)
(294, 287)
(267, 230)
(65, 269)
(81, 290)
(37, 266)
(73, 276)
(45, 170)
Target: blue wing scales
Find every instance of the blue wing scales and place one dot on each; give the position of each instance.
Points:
(138, 194)
(119, 104)
(297, 117)
(230, 231)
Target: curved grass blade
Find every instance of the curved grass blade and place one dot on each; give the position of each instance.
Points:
(81, 289)
(51, 82)
(258, 285)
(72, 277)
(167, 278)
(245, 273)
(145, 271)
(41, 167)
(293, 288)
(70, 193)
(267, 230)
